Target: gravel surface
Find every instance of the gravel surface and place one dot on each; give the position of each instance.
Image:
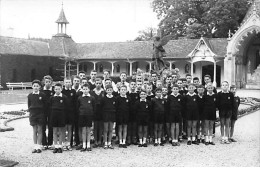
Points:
(17, 145)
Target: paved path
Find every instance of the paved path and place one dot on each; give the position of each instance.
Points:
(16, 145)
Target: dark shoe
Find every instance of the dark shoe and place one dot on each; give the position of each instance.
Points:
(161, 144)
(177, 144)
(155, 144)
(39, 151)
(184, 137)
(89, 149)
(135, 143)
(79, 147)
(124, 146)
(189, 142)
(211, 143)
(120, 145)
(140, 145)
(195, 142)
(100, 145)
(55, 150)
(170, 141)
(83, 149)
(180, 140)
(145, 145)
(59, 150)
(110, 147)
(34, 151)
(95, 145)
(105, 146)
(206, 143)
(174, 144)
(45, 147)
(202, 140)
(232, 140)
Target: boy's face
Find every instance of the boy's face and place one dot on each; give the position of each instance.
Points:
(76, 82)
(154, 77)
(143, 95)
(139, 85)
(145, 83)
(132, 85)
(210, 89)
(233, 90)
(168, 80)
(98, 84)
(188, 78)
(196, 82)
(200, 90)
(149, 88)
(109, 91)
(158, 93)
(164, 91)
(108, 82)
(106, 75)
(82, 75)
(84, 82)
(93, 75)
(179, 83)
(57, 90)
(123, 91)
(191, 88)
(207, 80)
(67, 83)
(47, 83)
(174, 78)
(184, 83)
(85, 90)
(224, 86)
(36, 87)
(123, 77)
(175, 90)
(138, 78)
(159, 84)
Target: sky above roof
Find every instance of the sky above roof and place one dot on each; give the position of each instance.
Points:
(89, 20)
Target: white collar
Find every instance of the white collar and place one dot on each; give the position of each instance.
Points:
(165, 97)
(224, 92)
(92, 82)
(123, 96)
(67, 89)
(44, 88)
(83, 95)
(60, 95)
(158, 97)
(150, 94)
(73, 87)
(175, 95)
(132, 92)
(110, 96)
(36, 92)
(200, 96)
(95, 90)
(142, 100)
(210, 94)
(193, 94)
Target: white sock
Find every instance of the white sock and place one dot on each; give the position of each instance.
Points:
(144, 141)
(35, 146)
(189, 139)
(109, 143)
(207, 138)
(170, 139)
(193, 138)
(202, 137)
(210, 138)
(120, 142)
(198, 136)
(56, 146)
(140, 141)
(123, 141)
(88, 144)
(159, 140)
(105, 143)
(84, 144)
(156, 141)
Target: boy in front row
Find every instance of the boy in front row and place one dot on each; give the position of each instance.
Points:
(37, 108)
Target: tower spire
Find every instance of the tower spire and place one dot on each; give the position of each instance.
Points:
(62, 21)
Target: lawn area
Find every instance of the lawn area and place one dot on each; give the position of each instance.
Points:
(14, 96)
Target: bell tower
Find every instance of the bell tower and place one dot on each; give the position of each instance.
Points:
(62, 23)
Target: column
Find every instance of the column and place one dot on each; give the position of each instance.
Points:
(58, 29)
(215, 74)
(229, 66)
(131, 69)
(112, 68)
(191, 69)
(150, 65)
(170, 65)
(77, 68)
(65, 70)
(94, 65)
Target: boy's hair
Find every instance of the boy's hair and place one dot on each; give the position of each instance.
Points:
(123, 73)
(58, 84)
(67, 78)
(191, 84)
(98, 79)
(224, 82)
(179, 80)
(132, 81)
(86, 85)
(175, 85)
(84, 79)
(76, 77)
(188, 75)
(200, 87)
(109, 87)
(146, 79)
(174, 73)
(233, 86)
(158, 89)
(149, 84)
(37, 82)
(123, 86)
(106, 70)
(108, 79)
(207, 75)
(169, 76)
(196, 78)
(82, 72)
(93, 71)
(142, 91)
(47, 77)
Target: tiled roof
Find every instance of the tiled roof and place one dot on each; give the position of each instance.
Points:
(62, 18)
(143, 49)
(63, 46)
(255, 6)
(9, 45)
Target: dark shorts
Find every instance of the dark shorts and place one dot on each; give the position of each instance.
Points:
(109, 116)
(36, 119)
(174, 117)
(70, 118)
(98, 114)
(158, 118)
(225, 113)
(58, 119)
(234, 116)
(132, 117)
(209, 114)
(142, 120)
(192, 115)
(85, 120)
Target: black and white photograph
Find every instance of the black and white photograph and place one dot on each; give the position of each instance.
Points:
(129, 83)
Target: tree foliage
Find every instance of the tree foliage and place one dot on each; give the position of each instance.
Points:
(196, 18)
(146, 35)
